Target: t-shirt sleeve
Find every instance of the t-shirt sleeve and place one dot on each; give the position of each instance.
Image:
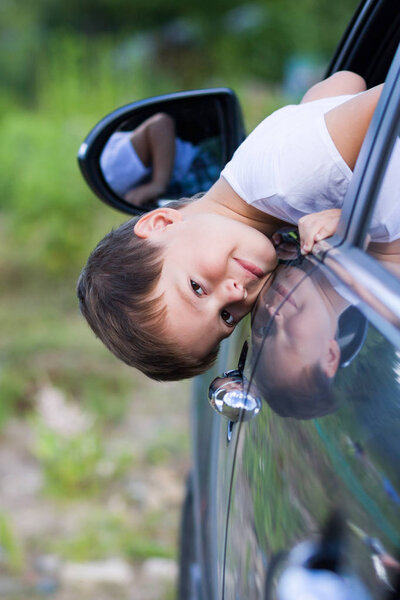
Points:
(252, 169)
(289, 165)
(385, 222)
(310, 172)
(121, 166)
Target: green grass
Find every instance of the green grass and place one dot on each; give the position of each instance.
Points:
(11, 548)
(106, 535)
(77, 465)
(169, 446)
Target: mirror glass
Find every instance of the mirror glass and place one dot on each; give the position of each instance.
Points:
(161, 156)
(161, 149)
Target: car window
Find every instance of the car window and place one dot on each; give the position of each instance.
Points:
(370, 212)
(382, 239)
(327, 432)
(296, 328)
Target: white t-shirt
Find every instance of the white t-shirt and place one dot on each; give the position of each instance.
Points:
(385, 222)
(289, 166)
(123, 169)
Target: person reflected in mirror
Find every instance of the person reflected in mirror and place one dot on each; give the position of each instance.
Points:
(143, 164)
(164, 289)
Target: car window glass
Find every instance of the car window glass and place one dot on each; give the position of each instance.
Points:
(305, 328)
(383, 237)
(327, 433)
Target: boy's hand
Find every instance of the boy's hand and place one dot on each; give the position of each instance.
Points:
(316, 227)
(143, 193)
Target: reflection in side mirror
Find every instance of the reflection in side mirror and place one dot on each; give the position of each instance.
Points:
(161, 149)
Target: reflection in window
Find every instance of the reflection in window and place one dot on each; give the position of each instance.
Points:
(384, 230)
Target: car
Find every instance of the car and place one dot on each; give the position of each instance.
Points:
(294, 490)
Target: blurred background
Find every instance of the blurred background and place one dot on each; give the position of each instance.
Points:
(93, 456)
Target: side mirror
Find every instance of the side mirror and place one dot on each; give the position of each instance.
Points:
(118, 155)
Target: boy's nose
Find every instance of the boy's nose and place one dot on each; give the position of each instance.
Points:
(272, 310)
(235, 291)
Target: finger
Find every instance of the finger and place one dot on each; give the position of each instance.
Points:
(325, 232)
(307, 232)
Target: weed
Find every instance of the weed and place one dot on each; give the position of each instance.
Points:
(11, 554)
(111, 535)
(76, 465)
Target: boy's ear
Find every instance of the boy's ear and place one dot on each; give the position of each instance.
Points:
(155, 221)
(332, 359)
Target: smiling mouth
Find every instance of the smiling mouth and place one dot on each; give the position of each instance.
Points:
(250, 268)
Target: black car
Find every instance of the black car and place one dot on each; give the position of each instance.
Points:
(295, 487)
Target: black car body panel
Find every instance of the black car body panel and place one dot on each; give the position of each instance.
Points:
(294, 468)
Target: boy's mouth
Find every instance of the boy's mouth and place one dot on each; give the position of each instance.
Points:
(250, 268)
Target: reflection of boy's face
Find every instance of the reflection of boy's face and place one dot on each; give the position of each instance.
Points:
(302, 331)
(213, 269)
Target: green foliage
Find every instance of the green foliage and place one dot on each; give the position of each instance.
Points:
(192, 42)
(167, 446)
(51, 217)
(107, 535)
(78, 464)
(12, 554)
(47, 212)
(12, 393)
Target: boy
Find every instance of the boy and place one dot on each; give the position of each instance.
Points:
(164, 289)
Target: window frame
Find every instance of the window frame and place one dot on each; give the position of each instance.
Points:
(362, 195)
(344, 254)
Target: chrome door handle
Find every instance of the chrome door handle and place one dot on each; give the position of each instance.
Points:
(228, 398)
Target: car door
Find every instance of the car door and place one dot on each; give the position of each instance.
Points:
(324, 444)
(213, 443)
(292, 474)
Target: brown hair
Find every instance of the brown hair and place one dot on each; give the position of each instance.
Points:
(308, 397)
(114, 292)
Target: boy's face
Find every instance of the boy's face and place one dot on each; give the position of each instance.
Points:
(214, 267)
(302, 331)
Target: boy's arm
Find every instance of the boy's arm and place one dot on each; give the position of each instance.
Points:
(154, 142)
(341, 83)
(348, 123)
(316, 227)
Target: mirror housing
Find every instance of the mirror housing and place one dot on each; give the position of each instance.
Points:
(198, 115)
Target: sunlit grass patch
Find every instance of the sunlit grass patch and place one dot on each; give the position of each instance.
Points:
(167, 446)
(11, 552)
(77, 464)
(105, 534)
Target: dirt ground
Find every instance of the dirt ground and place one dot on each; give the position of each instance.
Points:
(146, 499)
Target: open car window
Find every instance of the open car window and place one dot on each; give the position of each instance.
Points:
(370, 207)
(377, 227)
(382, 239)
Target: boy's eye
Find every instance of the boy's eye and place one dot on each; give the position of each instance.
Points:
(198, 290)
(227, 318)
